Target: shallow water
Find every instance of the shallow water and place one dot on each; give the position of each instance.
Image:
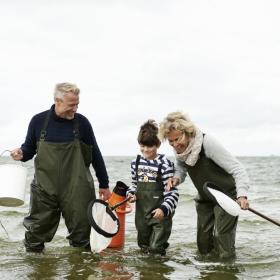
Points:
(257, 242)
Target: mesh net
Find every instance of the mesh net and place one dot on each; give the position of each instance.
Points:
(105, 225)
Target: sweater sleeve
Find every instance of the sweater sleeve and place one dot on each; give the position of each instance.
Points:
(170, 201)
(97, 158)
(99, 166)
(215, 151)
(180, 171)
(30, 144)
(133, 187)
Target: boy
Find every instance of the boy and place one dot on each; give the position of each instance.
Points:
(154, 206)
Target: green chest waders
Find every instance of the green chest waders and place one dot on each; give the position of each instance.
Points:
(62, 185)
(152, 234)
(215, 228)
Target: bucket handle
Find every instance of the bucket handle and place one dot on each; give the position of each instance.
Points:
(5, 229)
(5, 151)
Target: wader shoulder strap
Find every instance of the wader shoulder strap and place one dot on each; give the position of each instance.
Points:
(136, 166)
(202, 152)
(159, 175)
(76, 128)
(44, 128)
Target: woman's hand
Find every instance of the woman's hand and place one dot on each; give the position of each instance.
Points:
(172, 182)
(158, 214)
(243, 202)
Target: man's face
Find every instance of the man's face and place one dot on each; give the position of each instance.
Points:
(67, 107)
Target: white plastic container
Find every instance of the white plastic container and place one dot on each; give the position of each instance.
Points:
(12, 184)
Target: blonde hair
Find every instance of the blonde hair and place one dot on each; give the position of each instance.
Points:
(64, 88)
(176, 121)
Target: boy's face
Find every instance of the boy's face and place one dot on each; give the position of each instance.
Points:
(148, 152)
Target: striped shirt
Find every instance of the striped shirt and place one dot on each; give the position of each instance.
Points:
(148, 172)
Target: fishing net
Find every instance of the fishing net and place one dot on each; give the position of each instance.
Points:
(228, 204)
(104, 222)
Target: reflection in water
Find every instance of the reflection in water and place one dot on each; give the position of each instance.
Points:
(221, 272)
(116, 264)
(73, 263)
(153, 267)
(40, 265)
(111, 270)
(68, 263)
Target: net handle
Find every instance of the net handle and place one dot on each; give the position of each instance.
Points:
(119, 203)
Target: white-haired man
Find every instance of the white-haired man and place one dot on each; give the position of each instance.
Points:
(65, 146)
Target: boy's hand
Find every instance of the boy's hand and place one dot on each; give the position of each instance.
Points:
(132, 197)
(158, 214)
(172, 182)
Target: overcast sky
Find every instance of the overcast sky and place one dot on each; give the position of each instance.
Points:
(218, 61)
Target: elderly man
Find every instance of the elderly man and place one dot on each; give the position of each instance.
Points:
(65, 146)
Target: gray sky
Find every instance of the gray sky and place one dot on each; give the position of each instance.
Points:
(134, 60)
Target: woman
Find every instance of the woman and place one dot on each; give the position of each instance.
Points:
(207, 162)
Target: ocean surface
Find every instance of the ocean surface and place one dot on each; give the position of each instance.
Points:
(257, 241)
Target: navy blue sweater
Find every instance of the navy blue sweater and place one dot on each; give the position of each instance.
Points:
(61, 130)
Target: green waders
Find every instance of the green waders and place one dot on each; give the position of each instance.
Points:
(215, 228)
(153, 234)
(62, 185)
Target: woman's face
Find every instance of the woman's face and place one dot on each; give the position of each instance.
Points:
(178, 140)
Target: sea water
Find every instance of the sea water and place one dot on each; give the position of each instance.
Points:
(257, 240)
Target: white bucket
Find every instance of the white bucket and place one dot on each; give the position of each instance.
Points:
(12, 184)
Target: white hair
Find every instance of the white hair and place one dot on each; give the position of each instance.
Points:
(64, 88)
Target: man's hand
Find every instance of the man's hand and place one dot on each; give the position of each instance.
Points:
(16, 154)
(243, 202)
(104, 194)
(158, 214)
(172, 182)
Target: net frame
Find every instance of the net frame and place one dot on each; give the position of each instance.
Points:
(109, 212)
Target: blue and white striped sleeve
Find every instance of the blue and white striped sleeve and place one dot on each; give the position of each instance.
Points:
(132, 188)
(170, 197)
(170, 201)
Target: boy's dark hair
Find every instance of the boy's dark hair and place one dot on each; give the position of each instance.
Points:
(148, 134)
